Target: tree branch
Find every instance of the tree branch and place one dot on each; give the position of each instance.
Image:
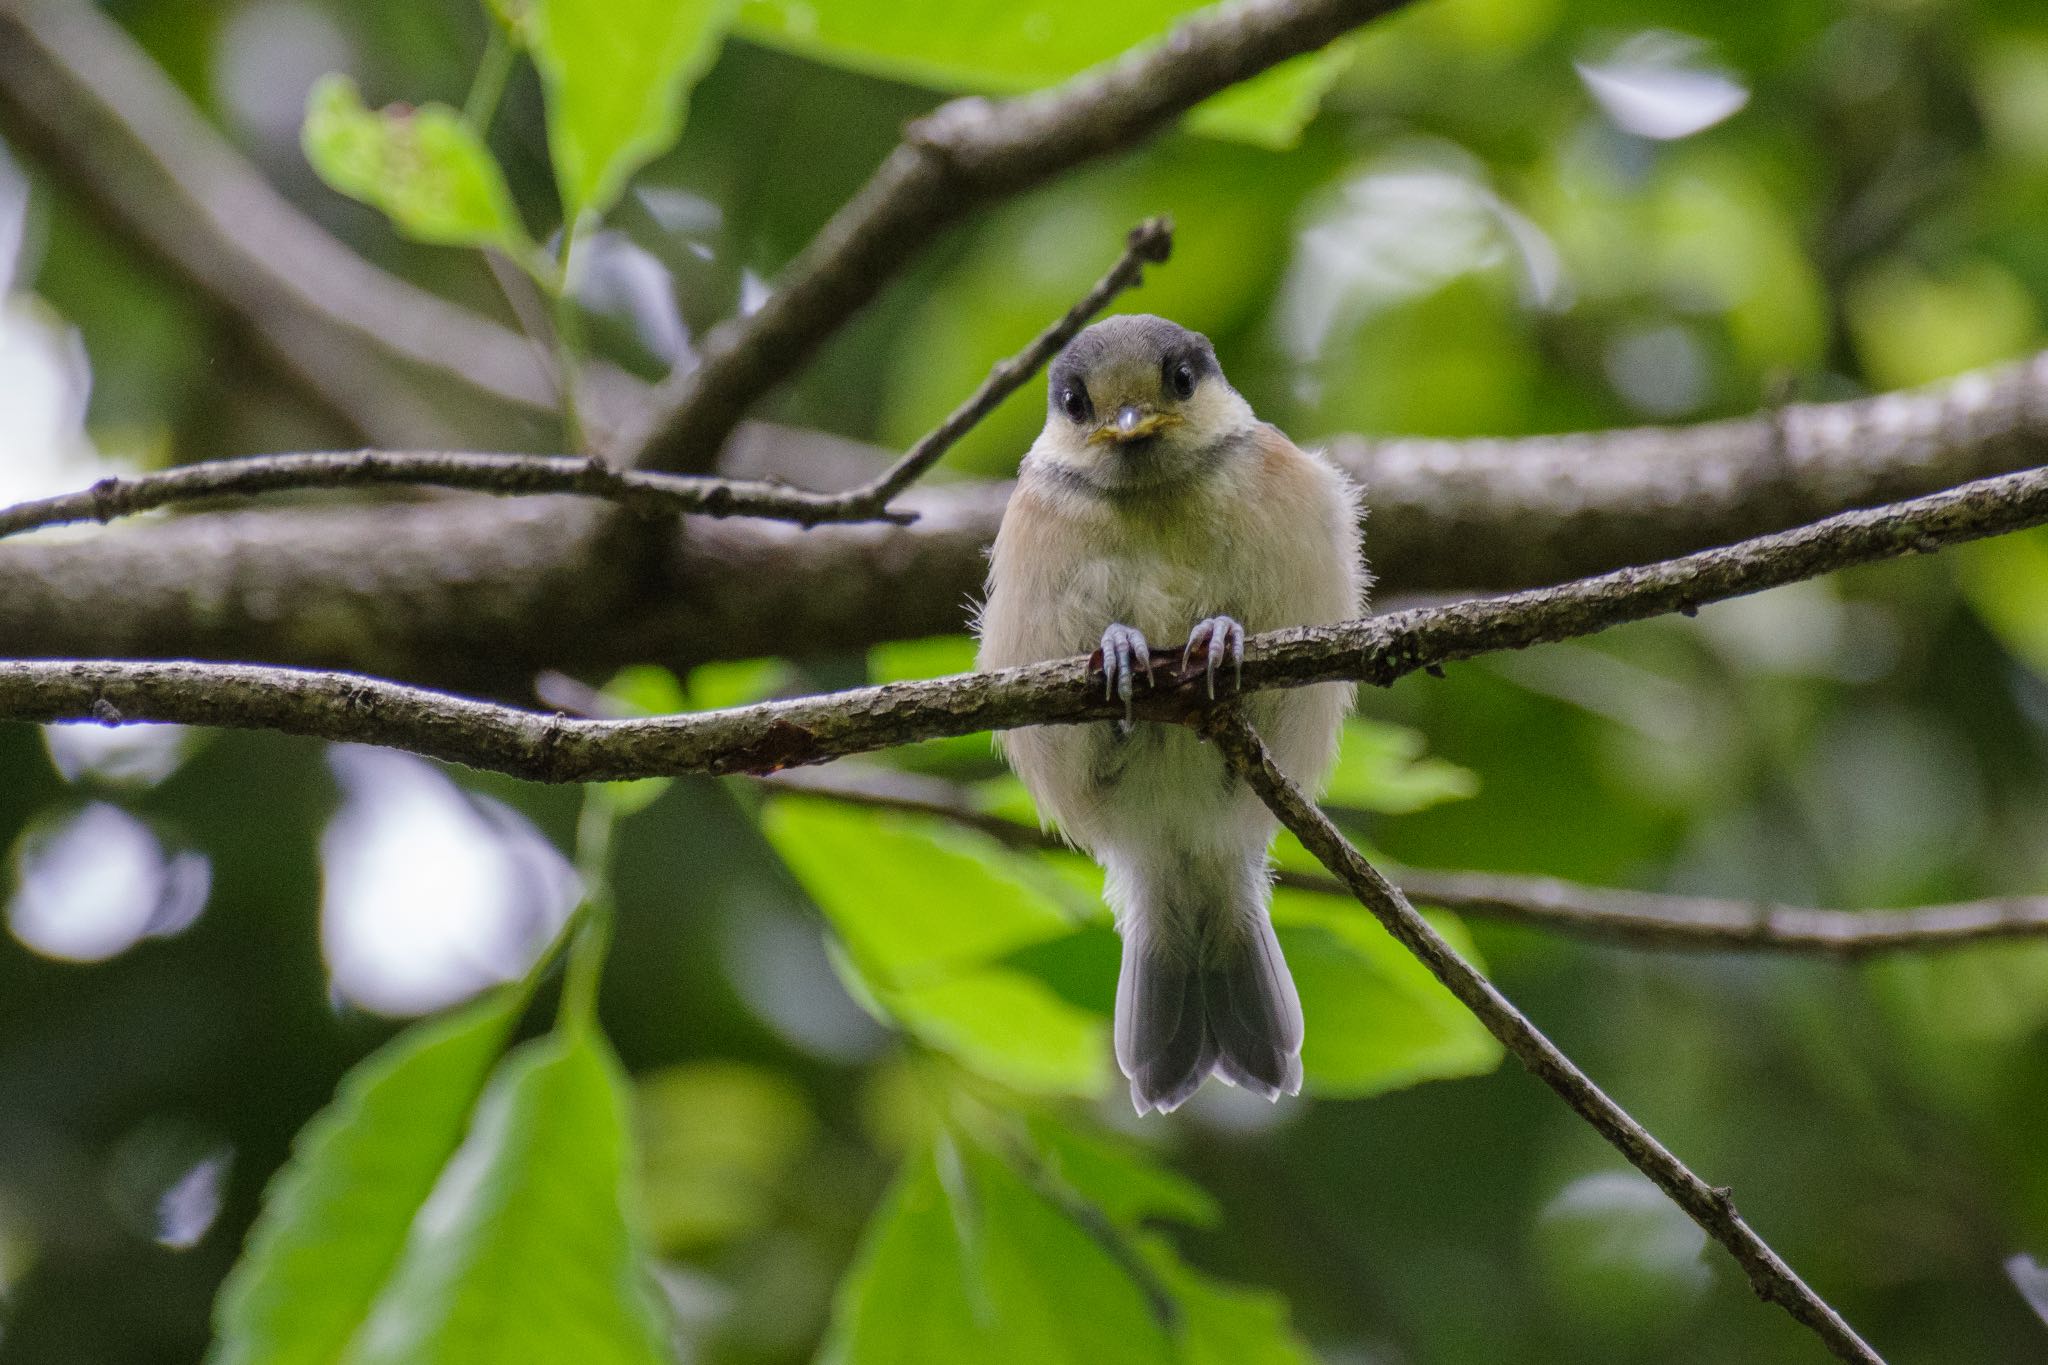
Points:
(1148, 243)
(950, 162)
(464, 593)
(646, 493)
(1712, 1208)
(805, 730)
(1640, 919)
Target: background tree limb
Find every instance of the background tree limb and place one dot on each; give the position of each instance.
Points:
(1711, 1207)
(1636, 919)
(482, 595)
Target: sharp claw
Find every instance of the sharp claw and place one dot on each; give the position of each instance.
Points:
(1123, 650)
(1216, 637)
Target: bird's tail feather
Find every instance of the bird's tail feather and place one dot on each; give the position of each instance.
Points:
(1218, 1000)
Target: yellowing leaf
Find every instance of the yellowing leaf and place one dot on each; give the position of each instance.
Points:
(424, 168)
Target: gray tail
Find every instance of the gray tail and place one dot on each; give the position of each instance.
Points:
(1225, 1004)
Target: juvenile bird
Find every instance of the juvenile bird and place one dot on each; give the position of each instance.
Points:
(1155, 506)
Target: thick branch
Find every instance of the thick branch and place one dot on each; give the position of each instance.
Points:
(75, 86)
(1445, 516)
(1641, 919)
(949, 163)
(1712, 1208)
(788, 734)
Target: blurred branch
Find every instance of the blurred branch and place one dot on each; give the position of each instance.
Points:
(1711, 1207)
(805, 730)
(648, 493)
(1641, 919)
(950, 162)
(76, 87)
(464, 593)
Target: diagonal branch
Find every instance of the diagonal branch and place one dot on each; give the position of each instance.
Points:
(1639, 919)
(949, 163)
(1712, 1208)
(648, 493)
(786, 734)
(77, 88)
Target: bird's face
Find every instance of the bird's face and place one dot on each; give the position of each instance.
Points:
(1139, 402)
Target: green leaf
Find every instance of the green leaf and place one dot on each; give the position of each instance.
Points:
(526, 1249)
(1009, 1027)
(967, 1260)
(736, 682)
(933, 656)
(1376, 1019)
(2006, 582)
(924, 909)
(617, 76)
(1228, 1324)
(717, 1138)
(1382, 768)
(335, 1218)
(1272, 109)
(425, 168)
(1126, 1184)
(913, 900)
(1004, 46)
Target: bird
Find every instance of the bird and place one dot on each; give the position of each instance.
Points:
(1155, 506)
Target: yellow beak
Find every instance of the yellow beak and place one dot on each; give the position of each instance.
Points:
(1131, 423)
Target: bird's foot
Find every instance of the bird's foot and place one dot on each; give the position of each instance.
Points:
(1123, 653)
(1212, 641)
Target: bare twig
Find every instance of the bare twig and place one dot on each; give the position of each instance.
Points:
(646, 492)
(952, 161)
(1642, 919)
(1712, 1208)
(786, 734)
(1149, 243)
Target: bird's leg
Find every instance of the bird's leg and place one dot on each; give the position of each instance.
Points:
(1216, 639)
(1123, 653)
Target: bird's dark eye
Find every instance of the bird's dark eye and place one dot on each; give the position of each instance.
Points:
(1181, 377)
(1074, 403)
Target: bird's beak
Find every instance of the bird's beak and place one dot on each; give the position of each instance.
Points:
(1131, 423)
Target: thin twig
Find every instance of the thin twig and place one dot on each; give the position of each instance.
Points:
(1148, 243)
(951, 162)
(1640, 919)
(646, 492)
(1711, 1207)
(785, 734)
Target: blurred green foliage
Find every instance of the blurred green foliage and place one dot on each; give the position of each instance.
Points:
(875, 1113)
